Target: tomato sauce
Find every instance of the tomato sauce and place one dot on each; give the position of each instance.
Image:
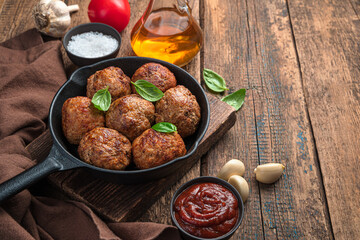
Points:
(206, 210)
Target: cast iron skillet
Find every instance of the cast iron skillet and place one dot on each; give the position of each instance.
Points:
(64, 156)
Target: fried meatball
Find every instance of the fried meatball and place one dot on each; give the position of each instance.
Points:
(179, 107)
(79, 116)
(105, 148)
(114, 78)
(156, 74)
(130, 115)
(154, 148)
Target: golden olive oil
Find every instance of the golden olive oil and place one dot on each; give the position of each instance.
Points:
(167, 34)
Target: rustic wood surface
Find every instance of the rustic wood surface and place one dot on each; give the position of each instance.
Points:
(299, 61)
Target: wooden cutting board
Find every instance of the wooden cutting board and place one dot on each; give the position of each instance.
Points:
(127, 202)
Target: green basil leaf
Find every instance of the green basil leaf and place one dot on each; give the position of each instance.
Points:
(164, 127)
(102, 99)
(148, 90)
(214, 81)
(235, 99)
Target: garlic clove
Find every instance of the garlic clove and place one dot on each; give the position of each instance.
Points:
(269, 172)
(232, 167)
(241, 186)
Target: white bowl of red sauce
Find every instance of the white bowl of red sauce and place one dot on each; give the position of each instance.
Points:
(207, 208)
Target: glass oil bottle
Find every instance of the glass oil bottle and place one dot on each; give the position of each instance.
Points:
(167, 31)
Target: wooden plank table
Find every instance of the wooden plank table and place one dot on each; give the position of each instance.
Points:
(299, 61)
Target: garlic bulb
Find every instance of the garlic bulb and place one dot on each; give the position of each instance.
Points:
(52, 17)
(232, 167)
(241, 186)
(269, 172)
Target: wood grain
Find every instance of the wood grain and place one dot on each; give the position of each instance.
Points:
(128, 202)
(272, 126)
(15, 18)
(299, 61)
(327, 35)
(284, 130)
(226, 50)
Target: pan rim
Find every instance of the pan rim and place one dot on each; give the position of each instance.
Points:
(79, 163)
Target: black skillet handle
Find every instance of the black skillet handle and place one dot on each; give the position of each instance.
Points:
(31, 175)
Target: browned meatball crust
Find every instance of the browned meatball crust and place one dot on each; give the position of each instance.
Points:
(156, 74)
(179, 107)
(79, 116)
(130, 115)
(154, 148)
(114, 78)
(105, 148)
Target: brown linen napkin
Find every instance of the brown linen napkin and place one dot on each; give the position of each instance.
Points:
(31, 72)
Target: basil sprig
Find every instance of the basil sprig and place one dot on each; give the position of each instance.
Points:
(102, 99)
(164, 127)
(148, 90)
(235, 99)
(214, 81)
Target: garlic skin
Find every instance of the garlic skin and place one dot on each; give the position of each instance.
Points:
(52, 17)
(232, 167)
(241, 186)
(269, 172)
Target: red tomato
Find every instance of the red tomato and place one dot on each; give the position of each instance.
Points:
(115, 13)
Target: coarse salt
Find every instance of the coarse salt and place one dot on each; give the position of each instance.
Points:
(92, 44)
